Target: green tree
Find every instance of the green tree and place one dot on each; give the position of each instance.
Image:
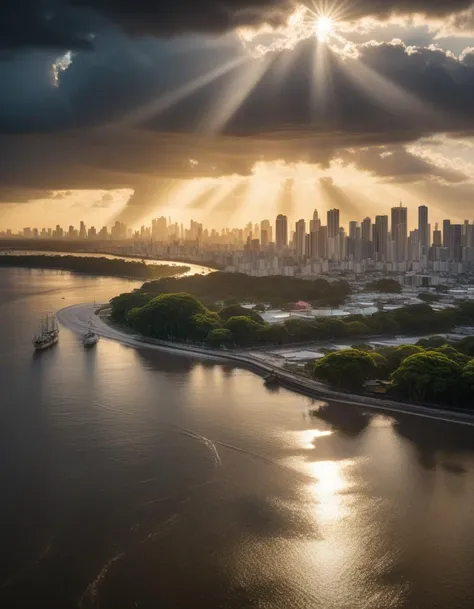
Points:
(124, 303)
(169, 316)
(204, 323)
(396, 355)
(273, 334)
(347, 369)
(236, 310)
(357, 328)
(387, 286)
(429, 297)
(432, 342)
(465, 313)
(466, 345)
(453, 354)
(244, 330)
(428, 377)
(363, 347)
(468, 384)
(219, 337)
(381, 363)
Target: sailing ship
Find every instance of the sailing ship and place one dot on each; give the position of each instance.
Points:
(91, 338)
(47, 334)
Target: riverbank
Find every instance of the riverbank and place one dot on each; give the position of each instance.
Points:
(77, 317)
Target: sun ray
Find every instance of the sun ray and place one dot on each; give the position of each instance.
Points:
(234, 94)
(169, 99)
(386, 93)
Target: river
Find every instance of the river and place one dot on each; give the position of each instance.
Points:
(138, 479)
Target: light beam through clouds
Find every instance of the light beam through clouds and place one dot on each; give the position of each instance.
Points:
(169, 99)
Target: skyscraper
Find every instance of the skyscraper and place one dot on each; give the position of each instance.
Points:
(400, 232)
(447, 234)
(281, 231)
(82, 231)
(381, 237)
(423, 227)
(300, 236)
(352, 229)
(333, 223)
(366, 229)
(323, 242)
(315, 223)
(456, 247)
(265, 227)
(437, 241)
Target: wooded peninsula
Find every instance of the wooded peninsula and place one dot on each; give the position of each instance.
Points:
(109, 267)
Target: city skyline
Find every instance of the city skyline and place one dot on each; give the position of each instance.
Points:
(383, 238)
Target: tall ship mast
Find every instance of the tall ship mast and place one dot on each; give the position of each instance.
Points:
(47, 334)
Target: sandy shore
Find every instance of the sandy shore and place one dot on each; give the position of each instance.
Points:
(76, 318)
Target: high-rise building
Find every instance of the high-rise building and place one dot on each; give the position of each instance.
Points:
(313, 251)
(315, 223)
(352, 229)
(437, 240)
(159, 229)
(281, 229)
(333, 223)
(366, 230)
(265, 227)
(380, 237)
(399, 231)
(300, 236)
(423, 226)
(456, 232)
(82, 231)
(323, 242)
(447, 236)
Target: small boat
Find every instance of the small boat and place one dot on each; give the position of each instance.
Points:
(271, 380)
(91, 338)
(47, 334)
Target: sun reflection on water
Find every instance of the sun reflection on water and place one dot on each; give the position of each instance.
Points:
(308, 437)
(331, 483)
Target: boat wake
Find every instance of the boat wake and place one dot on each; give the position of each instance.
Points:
(210, 445)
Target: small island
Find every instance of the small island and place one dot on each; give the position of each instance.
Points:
(108, 267)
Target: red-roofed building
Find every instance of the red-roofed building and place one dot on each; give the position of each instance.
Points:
(302, 306)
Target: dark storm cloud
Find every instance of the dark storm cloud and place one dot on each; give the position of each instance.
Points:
(397, 164)
(71, 24)
(23, 195)
(385, 8)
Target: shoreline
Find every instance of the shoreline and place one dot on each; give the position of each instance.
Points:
(111, 255)
(194, 268)
(76, 318)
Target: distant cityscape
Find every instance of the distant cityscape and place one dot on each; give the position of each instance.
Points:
(423, 256)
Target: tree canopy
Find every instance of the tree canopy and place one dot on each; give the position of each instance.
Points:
(396, 355)
(452, 354)
(468, 383)
(428, 377)
(169, 316)
(114, 267)
(346, 369)
(237, 287)
(237, 310)
(220, 337)
(387, 286)
(244, 330)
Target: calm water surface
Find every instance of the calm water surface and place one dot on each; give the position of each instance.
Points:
(138, 479)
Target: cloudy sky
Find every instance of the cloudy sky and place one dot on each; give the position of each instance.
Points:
(234, 110)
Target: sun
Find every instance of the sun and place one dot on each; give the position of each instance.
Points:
(323, 28)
